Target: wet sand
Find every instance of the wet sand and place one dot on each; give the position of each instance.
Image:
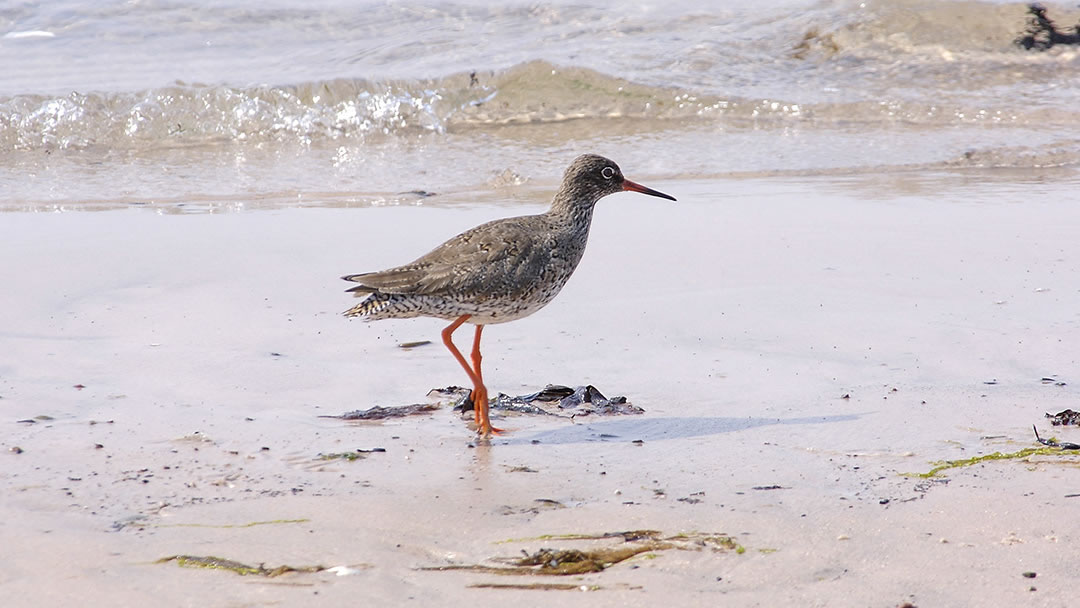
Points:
(797, 345)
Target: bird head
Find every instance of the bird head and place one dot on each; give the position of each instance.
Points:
(591, 177)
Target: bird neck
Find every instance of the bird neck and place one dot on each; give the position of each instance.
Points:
(572, 209)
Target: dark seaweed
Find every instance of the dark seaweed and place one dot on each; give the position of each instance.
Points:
(1042, 33)
(1065, 418)
(1055, 444)
(580, 401)
(382, 413)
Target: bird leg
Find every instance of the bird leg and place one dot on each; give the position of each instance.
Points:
(479, 375)
(481, 402)
(479, 395)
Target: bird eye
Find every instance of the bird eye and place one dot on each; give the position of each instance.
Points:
(607, 172)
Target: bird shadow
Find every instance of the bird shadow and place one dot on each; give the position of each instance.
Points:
(627, 430)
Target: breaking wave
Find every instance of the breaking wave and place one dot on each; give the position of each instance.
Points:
(534, 92)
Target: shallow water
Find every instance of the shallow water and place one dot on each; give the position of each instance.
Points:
(747, 299)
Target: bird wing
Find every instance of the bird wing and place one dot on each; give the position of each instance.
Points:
(393, 280)
(475, 260)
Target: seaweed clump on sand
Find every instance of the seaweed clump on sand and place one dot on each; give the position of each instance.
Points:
(1042, 34)
(564, 562)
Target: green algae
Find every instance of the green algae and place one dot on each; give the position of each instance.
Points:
(722, 541)
(356, 454)
(211, 562)
(350, 456)
(945, 465)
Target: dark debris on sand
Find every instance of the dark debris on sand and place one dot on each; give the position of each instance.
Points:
(1042, 34)
(1053, 443)
(382, 413)
(552, 400)
(557, 400)
(1064, 418)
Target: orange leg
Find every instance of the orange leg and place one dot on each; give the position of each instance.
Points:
(481, 401)
(479, 375)
(479, 396)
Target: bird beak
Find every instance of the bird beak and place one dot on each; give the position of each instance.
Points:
(634, 187)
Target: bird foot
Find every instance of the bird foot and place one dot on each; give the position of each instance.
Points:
(488, 430)
(480, 411)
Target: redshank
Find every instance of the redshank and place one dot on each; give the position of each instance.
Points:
(496, 272)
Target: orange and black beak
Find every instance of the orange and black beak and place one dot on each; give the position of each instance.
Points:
(634, 187)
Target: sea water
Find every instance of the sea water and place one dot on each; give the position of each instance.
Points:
(242, 103)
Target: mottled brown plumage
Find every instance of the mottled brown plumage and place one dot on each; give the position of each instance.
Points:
(496, 272)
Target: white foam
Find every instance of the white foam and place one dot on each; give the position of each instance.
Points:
(29, 34)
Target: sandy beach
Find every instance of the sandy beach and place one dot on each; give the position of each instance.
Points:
(800, 346)
(843, 337)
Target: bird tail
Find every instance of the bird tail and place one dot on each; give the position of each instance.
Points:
(370, 305)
